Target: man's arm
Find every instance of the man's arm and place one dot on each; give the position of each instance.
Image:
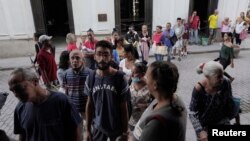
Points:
(79, 132)
(199, 24)
(124, 116)
(89, 113)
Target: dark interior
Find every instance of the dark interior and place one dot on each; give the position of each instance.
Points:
(201, 7)
(127, 17)
(56, 17)
(204, 9)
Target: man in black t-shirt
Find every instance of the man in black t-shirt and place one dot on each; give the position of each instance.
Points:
(42, 115)
(132, 36)
(108, 93)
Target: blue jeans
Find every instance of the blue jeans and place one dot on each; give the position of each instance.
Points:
(159, 57)
(170, 54)
(194, 36)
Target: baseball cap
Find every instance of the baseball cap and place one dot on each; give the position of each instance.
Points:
(43, 38)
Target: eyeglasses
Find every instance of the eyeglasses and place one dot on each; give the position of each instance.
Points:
(104, 54)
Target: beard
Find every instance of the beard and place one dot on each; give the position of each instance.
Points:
(102, 65)
(23, 97)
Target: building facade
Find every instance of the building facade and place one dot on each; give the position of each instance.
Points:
(21, 18)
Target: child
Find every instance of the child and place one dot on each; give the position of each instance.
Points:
(185, 37)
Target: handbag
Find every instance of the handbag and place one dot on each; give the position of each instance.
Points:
(236, 107)
(173, 39)
(153, 49)
(243, 34)
(162, 50)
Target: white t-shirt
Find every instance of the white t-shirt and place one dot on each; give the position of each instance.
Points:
(239, 27)
(125, 69)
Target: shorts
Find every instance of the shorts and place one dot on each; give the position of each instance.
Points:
(185, 42)
(179, 44)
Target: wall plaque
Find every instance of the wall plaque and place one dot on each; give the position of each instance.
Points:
(102, 17)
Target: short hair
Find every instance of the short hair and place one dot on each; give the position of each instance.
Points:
(166, 76)
(64, 60)
(70, 38)
(168, 23)
(37, 35)
(76, 51)
(132, 49)
(229, 34)
(141, 67)
(26, 74)
(121, 39)
(144, 25)
(104, 44)
(114, 31)
(160, 27)
(212, 68)
(178, 18)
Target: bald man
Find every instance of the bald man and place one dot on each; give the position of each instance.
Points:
(74, 80)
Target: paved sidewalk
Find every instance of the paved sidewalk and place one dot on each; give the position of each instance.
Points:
(240, 86)
(192, 49)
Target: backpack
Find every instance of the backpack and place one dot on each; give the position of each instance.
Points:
(120, 77)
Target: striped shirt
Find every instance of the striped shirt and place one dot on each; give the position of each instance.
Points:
(74, 82)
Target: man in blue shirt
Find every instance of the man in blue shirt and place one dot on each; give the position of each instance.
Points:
(165, 39)
(108, 93)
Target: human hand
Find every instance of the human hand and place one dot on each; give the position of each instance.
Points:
(88, 136)
(203, 136)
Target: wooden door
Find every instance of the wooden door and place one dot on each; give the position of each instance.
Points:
(70, 16)
(38, 16)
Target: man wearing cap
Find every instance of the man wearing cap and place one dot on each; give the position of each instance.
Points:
(89, 49)
(46, 62)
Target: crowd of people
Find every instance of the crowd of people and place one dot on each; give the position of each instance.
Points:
(107, 91)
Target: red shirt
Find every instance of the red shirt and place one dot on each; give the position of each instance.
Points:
(157, 37)
(47, 65)
(195, 23)
(71, 47)
(89, 44)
